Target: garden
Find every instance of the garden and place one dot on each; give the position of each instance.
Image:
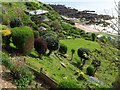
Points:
(70, 56)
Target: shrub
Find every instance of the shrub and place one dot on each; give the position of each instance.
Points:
(68, 84)
(48, 33)
(81, 76)
(83, 54)
(56, 25)
(96, 63)
(63, 49)
(16, 22)
(45, 25)
(52, 40)
(36, 34)
(40, 46)
(90, 71)
(72, 51)
(52, 44)
(23, 39)
(5, 60)
(82, 51)
(23, 77)
(6, 34)
(93, 36)
(103, 39)
(3, 27)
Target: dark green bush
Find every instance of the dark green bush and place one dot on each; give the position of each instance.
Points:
(82, 51)
(68, 84)
(93, 37)
(52, 44)
(63, 49)
(96, 63)
(52, 40)
(16, 22)
(23, 39)
(90, 71)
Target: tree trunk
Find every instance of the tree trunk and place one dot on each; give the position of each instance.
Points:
(49, 53)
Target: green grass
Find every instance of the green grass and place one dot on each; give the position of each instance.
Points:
(78, 43)
(53, 68)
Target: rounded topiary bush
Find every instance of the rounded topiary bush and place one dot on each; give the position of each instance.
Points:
(23, 39)
(52, 44)
(63, 49)
(82, 51)
(90, 71)
(51, 39)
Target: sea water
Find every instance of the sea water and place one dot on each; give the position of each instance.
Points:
(99, 6)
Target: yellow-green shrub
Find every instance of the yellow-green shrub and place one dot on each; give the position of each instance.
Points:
(23, 39)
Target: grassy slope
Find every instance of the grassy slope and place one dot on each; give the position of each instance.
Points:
(52, 66)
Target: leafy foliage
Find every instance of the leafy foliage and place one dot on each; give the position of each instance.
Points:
(23, 39)
(52, 40)
(45, 25)
(16, 22)
(96, 63)
(72, 51)
(22, 76)
(82, 51)
(90, 70)
(63, 49)
(40, 46)
(93, 36)
(36, 34)
(6, 60)
(68, 85)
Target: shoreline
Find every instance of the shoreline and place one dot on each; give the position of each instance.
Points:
(85, 28)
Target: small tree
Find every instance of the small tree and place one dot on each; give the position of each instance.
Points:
(83, 54)
(52, 40)
(96, 64)
(40, 46)
(63, 49)
(93, 37)
(52, 44)
(72, 51)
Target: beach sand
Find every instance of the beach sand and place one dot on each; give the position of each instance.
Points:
(85, 28)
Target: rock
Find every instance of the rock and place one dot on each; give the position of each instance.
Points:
(63, 64)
